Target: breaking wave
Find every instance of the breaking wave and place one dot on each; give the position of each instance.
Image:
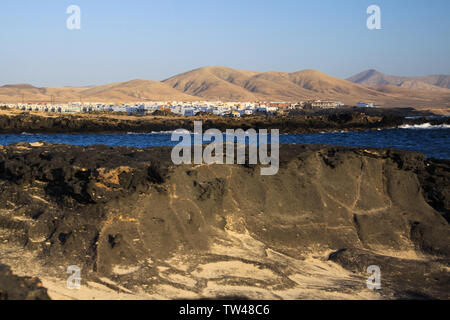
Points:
(425, 126)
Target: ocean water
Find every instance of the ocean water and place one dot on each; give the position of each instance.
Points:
(434, 141)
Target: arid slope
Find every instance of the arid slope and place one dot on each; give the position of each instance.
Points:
(372, 77)
(226, 84)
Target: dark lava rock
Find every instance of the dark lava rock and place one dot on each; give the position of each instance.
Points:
(13, 287)
(297, 122)
(435, 180)
(99, 207)
(400, 278)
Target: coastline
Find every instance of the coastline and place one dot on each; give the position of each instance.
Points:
(15, 122)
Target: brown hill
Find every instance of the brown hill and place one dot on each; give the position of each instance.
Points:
(228, 84)
(135, 90)
(322, 83)
(214, 83)
(130, 91)
(442, 81)
(329, 87)
(221, 83)
(30, 94)
(276, 86)
(400, 97)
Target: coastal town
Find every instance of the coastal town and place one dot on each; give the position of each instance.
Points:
(225, 109)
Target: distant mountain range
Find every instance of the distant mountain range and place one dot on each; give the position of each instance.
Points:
(376, 78)
(226, 84)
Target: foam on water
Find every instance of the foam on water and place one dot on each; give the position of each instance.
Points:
(425, 126)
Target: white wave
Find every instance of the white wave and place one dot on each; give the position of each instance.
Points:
(425, 126)
(147, 133)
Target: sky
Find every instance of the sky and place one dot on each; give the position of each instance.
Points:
(155, 39)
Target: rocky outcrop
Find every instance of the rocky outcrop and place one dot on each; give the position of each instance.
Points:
(295, 122)
(13, 287)
(218, 230)
(435, 181)
(402, 278)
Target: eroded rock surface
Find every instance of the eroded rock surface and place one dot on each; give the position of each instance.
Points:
(13, 287)
(355, 119)
(139, 226)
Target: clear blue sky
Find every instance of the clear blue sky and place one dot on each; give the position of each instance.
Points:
(155, 39)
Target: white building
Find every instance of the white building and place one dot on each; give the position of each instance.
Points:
(366, 105)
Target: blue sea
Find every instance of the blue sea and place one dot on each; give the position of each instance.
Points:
(433, 141)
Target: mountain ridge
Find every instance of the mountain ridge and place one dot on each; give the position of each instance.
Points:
(374, 77)
(214, 83)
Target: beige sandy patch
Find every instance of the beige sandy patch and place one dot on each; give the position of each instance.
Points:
(223, 269)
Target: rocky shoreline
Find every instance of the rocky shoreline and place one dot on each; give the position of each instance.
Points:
(313, 122)
(137, 224)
